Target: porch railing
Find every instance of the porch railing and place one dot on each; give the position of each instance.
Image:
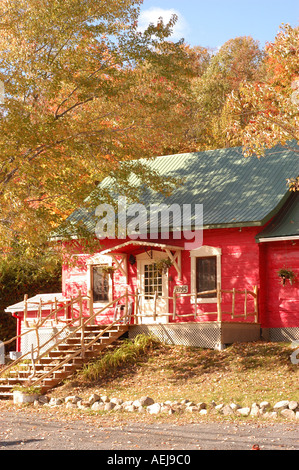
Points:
(196, 296)
(73, 315)
(82, 321)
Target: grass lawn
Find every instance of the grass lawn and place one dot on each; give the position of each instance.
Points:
(243, 373)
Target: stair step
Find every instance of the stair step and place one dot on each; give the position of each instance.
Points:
(59, 354)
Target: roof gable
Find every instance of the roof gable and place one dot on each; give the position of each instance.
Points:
(285, 225)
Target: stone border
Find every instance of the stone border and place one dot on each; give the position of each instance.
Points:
(285, 408)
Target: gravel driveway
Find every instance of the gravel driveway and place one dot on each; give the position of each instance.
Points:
(23, 430)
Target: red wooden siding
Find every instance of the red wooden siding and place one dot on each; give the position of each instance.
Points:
(280, 304)
(239, 269)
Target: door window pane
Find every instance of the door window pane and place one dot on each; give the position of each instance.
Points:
(206, 275)
(152, 281)
(100, 284)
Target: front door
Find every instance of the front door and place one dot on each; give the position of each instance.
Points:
(153, 289)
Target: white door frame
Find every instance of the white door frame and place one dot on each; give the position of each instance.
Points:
(147, 305)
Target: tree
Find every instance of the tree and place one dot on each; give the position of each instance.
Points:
(236, 61)
(86, 95)
(266, 112)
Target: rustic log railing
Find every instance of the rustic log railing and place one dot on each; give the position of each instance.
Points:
(82, 320)
(218, 294)
(73, 316)
(197, 299)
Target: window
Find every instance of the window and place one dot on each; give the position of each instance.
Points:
(100, 284)
(205, 272)
(152, 281)
(99, 281)
(206, 275)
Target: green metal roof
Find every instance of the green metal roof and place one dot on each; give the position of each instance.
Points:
(234, 190)
(285, 224)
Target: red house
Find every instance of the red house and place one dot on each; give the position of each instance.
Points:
(207, 286)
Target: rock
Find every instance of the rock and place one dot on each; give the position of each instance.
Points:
(190, 403)
(174, 403)
(203, 411)
(281, 405)
(146, 401)
(105, 399)
(117, 408)
(55, 401)
(71, 405)
(164, 408)
(97, 406)
(293, 405)
(154, 409)
(297, 414)
(192, 409)
(227, 410)
(130, 408)
(109, 406)
(82, 405)
(127, 403)
(219, 407)
(136, 403)
(73, 399)
(243, 411)
(265, 406)
(116, 401)
(43, 400)
(234, 406)
(201, 405)
(255, 410)
(287, 413)
(93, 398)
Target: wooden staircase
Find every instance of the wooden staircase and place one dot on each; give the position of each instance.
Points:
(62, 360)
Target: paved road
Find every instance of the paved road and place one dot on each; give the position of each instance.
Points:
(35, 431)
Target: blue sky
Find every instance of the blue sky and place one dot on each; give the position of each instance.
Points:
(210, 23)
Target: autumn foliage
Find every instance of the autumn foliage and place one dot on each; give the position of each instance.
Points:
(87, 95)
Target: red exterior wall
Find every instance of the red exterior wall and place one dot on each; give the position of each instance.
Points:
(239, 269)
(279, 304)
(244, 264)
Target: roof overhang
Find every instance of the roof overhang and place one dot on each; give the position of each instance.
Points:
(173, 252)
(137, 243)
(33, 303)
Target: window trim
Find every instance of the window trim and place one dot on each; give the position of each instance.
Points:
(99, 260)
(205, 252)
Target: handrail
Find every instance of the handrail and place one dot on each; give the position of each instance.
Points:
(95, 312)
(78, 352)
(81, 325)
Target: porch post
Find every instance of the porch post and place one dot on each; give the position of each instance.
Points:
(155, 306)
(174, 303)
(137, 307)
(195, 305)
(81, 320)
(219, 313)
(90, 305)
(256, 312)
(25, 310)
(126, 305)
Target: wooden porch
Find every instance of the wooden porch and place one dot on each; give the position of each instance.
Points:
(76, 337)
(69, 310)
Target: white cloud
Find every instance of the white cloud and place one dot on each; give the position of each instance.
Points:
(152, 15)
